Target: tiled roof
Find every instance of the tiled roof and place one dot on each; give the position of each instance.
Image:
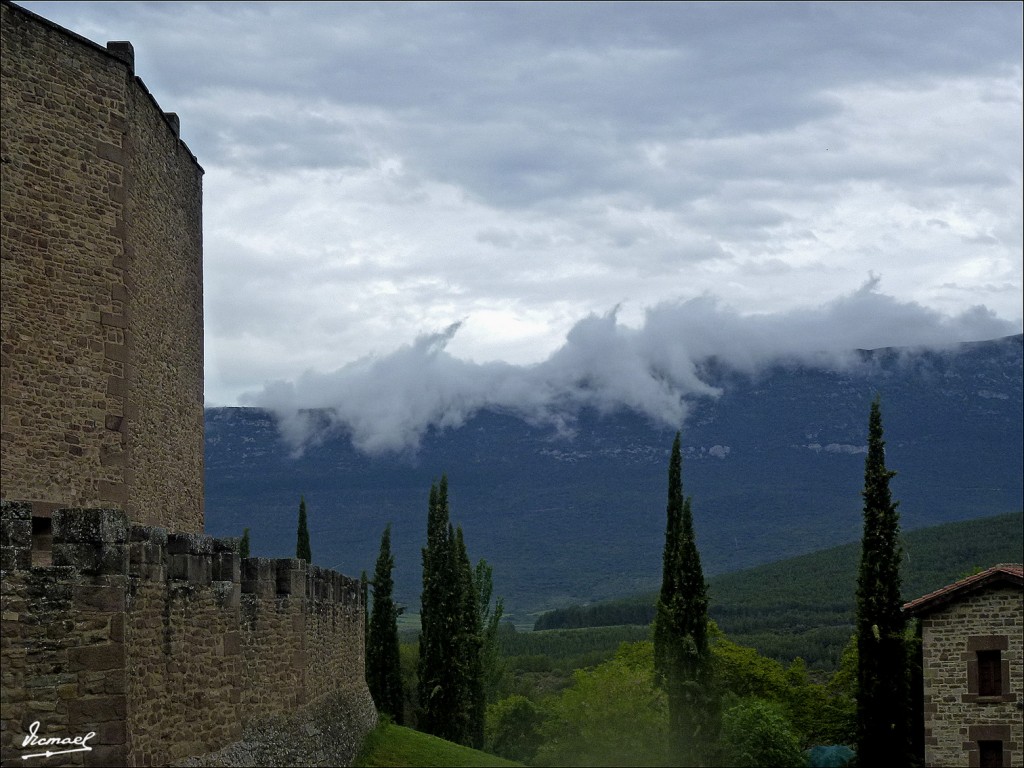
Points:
(1010, 573)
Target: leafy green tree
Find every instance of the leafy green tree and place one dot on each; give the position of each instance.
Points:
(756, 732)
(302, 550)
(818, 714)
(681, 626)
(613, 714)
(882, 670)
(513, 728)
(384, 673)
(243, 544)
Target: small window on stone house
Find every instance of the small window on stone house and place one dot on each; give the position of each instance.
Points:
(987, 669)
(990, 673)
(990, 754)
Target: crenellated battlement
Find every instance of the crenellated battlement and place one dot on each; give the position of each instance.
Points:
(103, 542)
(173, 644)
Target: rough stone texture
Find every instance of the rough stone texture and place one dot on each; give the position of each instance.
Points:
(168, 662)
(328, 732)
(126, 621)
(101, 351)
(954, 719)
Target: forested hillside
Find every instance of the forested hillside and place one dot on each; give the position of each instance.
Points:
(803, 606)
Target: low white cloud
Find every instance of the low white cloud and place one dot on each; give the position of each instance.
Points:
(387, 403)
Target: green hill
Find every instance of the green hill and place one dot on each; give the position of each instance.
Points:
(393, 745)
(803, 606)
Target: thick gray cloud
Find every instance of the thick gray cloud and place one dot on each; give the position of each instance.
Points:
(375, 172)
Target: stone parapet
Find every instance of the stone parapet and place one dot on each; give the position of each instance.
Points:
(165, 645)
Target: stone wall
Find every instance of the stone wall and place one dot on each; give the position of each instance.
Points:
(955, 718)
(101, 352)
(170, 648)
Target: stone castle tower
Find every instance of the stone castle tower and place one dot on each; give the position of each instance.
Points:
(102, 312)
(121, 623)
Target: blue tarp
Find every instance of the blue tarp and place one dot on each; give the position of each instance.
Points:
(834, 756)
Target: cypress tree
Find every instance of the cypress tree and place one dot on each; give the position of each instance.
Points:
(302, 550)
(490, 654)
(438, 619)
(451, 692)
(681, 654)
(882, 669)
(383, 664)
(243, 544)
(467, 658)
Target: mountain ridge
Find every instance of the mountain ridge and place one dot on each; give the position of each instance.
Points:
(774, 465)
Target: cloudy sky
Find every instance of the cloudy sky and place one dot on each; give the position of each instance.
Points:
(527, 204)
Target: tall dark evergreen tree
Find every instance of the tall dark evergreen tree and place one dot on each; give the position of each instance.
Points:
(490, 620)
(243, 544)
(302, 550)
(438, 699)
(383, 664)
(681, 655)
(882, 669)
(467, 659)
(451, 697)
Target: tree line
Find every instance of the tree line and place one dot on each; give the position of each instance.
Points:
(458, 644)
(715, 702)
(682, 660)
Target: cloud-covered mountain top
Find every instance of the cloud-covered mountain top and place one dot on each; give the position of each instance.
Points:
(388, 402)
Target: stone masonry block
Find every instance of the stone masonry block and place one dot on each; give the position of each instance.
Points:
(15, 524)
(105, 597)
(195, 569)
(227, 544)
(226, 567)
(147, 552)
(189, 543)
(228, 593)
(15, 536)
(90, 558)
(88, 711)
(259, 577)
(90, 526)
(232, 644)
(97, 658)
(291, 576)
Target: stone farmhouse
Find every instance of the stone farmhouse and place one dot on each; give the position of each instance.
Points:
(972, 635)
(128, 636)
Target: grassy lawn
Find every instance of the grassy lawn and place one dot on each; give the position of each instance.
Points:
(393, 745)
